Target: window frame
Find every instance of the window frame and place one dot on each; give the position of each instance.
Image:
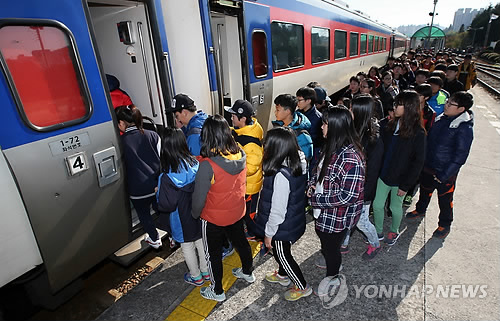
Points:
(329, 46)
(357, 43)
(265, 50)
(366, 44)
(384, 43)
(77, 65)
(334, 39)
(370, 48)
(303, 45)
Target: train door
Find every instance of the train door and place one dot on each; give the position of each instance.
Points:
(227, 39)
(58, 136)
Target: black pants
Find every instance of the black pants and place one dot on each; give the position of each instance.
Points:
(142, 207)
(251, 208)
(282, 252)
(213, 239)
(330, 247)
(445, 196)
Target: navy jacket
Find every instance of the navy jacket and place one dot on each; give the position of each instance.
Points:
(448, 144)
(174, 197)
(294, 225)
(374, 153)
(142, 161)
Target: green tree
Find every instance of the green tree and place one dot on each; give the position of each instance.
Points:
(481, 20)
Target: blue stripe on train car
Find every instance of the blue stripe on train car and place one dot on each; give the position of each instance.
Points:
(334, 14)
(13, 131)
(207, 37)
(161, 28)
(257, 17)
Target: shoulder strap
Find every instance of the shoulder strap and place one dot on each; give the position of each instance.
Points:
(245, 139)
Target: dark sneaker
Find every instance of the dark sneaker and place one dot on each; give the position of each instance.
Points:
(344, 249)
(391, 238)
(441, 232)
(226, 251)
(414, 214)
(371, 252)
(407, 200)
(380, 236)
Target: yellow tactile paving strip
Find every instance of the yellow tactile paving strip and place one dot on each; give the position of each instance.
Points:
(194, 307)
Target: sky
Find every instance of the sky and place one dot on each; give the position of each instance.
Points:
(395, 13)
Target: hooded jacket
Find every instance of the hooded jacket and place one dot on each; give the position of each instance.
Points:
(448, 144)
(250, 139)
(437, 102)
(174, 196)
(300, 125)
(220, 186)
(193, 132)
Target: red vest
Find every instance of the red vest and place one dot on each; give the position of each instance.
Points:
(225, 203)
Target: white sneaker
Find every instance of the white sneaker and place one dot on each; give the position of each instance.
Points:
(238, 272)
(154, 244)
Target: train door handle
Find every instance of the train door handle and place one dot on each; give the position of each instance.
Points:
(106, 164)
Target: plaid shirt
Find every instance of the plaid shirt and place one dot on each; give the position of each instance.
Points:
(343, 187)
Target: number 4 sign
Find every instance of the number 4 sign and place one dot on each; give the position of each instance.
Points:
(76, 163)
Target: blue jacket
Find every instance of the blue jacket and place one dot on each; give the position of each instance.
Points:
(448, 144)
(437, 102)
(294, 225)
(315, 118)
(174, 197)
(300, 125)
(193, 132)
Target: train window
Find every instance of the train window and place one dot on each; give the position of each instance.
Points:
(362, 44)
(340, 44)
(376, 44)
(370, 44)
(384, 44)
(320, 45)
(353, 44)
(54, 94)
(259, 47)
(287, 41)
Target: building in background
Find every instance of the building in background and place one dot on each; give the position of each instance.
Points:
(464, 17)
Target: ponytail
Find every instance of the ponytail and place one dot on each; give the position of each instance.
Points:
(130, 114)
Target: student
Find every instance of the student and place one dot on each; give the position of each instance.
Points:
(404, 151)
(399, 79)
(467, 72)
(374, 74)
(248, 133)
(281, 217)
(174, 196)
(306, 100)
(388, 66)
(186, 115)
(448, 147)
(427, 63)
(452, 84)
(141, 149)
(336, 189)
(118, 96)
(439, 97)
(386, 91)
(368, 87)
(421, 76)
(353, 89)
(220, 186)
(367, 129)
(287, 116)
(322, 99)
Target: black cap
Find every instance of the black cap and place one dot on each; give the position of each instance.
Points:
(321, 94)
(241, 108)
(180, 102)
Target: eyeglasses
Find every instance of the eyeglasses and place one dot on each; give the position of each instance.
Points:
(299, 100)
(450, 103)
(365, 86)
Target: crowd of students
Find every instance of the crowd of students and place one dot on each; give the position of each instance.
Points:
(404, 125)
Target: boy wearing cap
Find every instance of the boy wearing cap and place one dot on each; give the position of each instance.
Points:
(186, 115)
(448, 146)
(249, 133)
(439, 97)
(452, 84)
(322, 99)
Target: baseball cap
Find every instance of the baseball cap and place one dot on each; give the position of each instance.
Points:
(242, 108)
(181, 101)
(321, 94)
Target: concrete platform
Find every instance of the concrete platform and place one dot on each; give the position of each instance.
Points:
(419, 278)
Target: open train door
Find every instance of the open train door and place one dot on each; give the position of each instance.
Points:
(59, 138)
(259, 53)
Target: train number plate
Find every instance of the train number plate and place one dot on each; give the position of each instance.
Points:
(76, 163)
(69, 143)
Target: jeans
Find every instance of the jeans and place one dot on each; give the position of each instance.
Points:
(396, 206)
(366, 227)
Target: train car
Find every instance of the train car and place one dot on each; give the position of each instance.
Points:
(65, 206)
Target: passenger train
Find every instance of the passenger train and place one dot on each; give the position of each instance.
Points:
(62, 181)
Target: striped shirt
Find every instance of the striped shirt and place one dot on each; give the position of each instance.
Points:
(341, 200)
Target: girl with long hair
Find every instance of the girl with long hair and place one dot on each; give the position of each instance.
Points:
(174, 195)
(368, 87)
(336, 189)
(404, 150)
(373, 148)
(281, 216)
(220, 187)
(142, 162)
